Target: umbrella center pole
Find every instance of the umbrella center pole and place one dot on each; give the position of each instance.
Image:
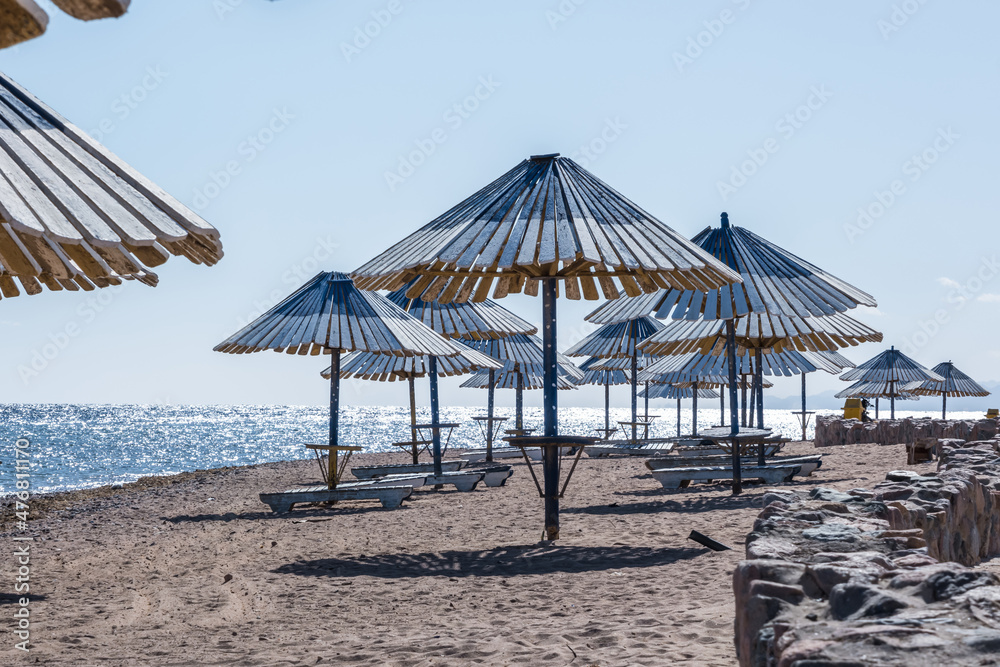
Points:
(413, 421)
(519, 403)
(678, 417)
(435, 430)
(734, 425)
(760, 387)
(694, 408)
(489, 412)
(607, 411)
(550, 456)
(635, 369)
(331, 480)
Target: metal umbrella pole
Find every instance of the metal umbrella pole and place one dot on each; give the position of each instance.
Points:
(550, 457)
(519, 402)
(635, 370)
(678, 417)
(607, 410)
(734, 426)
(334, 417)
(436, 432)
(694, 409)
(413, 419)
(760, 388)
(489, 413)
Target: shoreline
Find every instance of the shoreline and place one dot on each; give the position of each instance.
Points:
(194, 564)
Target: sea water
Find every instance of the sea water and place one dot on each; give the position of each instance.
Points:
(81, 446)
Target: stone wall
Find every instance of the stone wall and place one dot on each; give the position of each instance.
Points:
(832, 430)
(877, 577)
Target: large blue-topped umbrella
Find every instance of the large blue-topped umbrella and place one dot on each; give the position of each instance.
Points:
(547, 222)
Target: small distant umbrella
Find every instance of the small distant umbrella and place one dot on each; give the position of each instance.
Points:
(524, 353)
(604, 377)
(329, 315)
(389, 368)
(894, 369)
(865, 389)
(619, 340)
(956, 384)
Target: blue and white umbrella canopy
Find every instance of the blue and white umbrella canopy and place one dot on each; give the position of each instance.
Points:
(956, 384)
(389, 368)
(891, 366)
(786, 363)
(522, 350)
(468, 320)
(546, 217)
(506, 378)
(892, 370)
(601, 376)
(330, 313)
(864, 389)
(616, 340)
(774, 282)
(75, 215)
(814, 334)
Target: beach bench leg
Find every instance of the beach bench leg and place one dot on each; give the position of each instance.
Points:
(391, 502)
(280, 506)
(466, 486)
(685, 483)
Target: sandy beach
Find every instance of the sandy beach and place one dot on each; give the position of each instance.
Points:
(193, 569)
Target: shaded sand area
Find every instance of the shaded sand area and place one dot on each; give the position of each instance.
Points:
(193, 569)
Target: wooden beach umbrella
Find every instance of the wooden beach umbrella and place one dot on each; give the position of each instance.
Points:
(521, 352)
(894, 369)
(468, 322)
(956, 384)
(388, 368)
(546, 221)
(330, 315)
(618, 340)
(774, 282)
(75, 216)
(605, 377)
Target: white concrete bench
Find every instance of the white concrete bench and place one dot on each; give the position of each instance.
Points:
(679, 478)
(495, 475)
(464, 480)
(368, 472)
(390, 496)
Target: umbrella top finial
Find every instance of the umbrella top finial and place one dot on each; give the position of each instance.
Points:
(338, 276)
(543, 158)
(725, 220)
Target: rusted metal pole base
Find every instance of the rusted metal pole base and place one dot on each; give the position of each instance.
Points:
(550, 473)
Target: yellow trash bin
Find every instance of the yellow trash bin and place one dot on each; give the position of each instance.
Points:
(853, 409)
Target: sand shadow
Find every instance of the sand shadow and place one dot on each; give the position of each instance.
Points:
(499, 562)
(14, 598)
(690, 504)
(303, 512)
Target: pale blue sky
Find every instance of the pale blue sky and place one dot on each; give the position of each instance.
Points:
(201, 77)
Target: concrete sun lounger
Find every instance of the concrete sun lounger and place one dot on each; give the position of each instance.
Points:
(283, 501)
(807, 463)
(368, 472)
(494, 476)
(679, 478)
